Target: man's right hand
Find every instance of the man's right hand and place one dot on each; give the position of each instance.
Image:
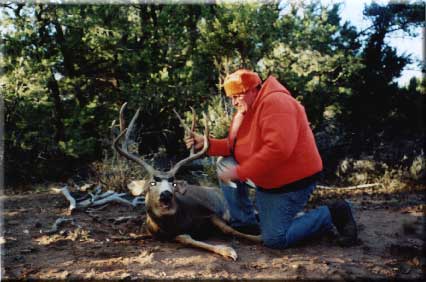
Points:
(194, 139)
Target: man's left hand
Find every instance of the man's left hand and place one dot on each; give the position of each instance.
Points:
(228, 174)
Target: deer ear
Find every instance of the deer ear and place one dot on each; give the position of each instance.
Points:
(138, 187)
(180, 187)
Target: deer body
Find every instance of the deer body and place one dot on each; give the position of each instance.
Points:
(176, 210)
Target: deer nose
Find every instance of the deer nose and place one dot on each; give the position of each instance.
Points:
(166, 196)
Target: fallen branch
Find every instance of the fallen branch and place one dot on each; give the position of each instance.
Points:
(99, 199)
(138, 201)
(351, 187)
(70, 198)
(58, 223)
(95, 197)
(112, 198)
(130, 238)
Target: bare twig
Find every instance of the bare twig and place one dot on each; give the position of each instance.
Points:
(352, 187)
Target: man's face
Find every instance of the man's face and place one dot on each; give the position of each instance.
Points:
(243, 101)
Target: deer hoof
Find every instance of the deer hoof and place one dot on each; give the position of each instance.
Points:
(227, 252)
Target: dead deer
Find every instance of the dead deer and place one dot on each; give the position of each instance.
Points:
(176, 210)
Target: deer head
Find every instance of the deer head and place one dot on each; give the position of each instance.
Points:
(161, 186)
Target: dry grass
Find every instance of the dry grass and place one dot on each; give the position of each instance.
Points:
(386, 186)
(115, 172)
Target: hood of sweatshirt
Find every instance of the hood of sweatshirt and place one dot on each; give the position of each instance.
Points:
(270, 85)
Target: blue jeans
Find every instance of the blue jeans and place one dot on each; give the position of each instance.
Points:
(279, 225)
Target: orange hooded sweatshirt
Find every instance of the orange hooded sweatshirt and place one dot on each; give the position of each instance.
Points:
(274, 145)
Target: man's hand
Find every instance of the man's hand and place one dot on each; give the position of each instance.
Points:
(228, 174)
(194, 139)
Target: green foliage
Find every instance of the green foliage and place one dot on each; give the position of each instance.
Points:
(68, 68)
(375, 103)
(218, 117)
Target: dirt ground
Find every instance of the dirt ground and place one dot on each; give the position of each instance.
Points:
(98, 246)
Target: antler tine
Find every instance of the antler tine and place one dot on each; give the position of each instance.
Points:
(192, 130)
(112, 129)
(123, 149)
(182, 122)
(193, 156)
(122, 120)
(130, 129)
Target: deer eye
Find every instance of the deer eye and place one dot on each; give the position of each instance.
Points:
(174, 184)
(153, 183)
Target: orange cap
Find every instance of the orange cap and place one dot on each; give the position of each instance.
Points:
(240, 81)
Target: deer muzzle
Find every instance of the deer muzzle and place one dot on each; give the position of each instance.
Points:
(166, 197)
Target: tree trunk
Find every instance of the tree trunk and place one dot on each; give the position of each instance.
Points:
(58, 110)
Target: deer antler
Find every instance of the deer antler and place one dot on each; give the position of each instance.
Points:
(189, 130)
(123, 149)
(192, 156)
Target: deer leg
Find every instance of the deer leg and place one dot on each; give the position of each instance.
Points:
(225, 228)
(222, 250)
